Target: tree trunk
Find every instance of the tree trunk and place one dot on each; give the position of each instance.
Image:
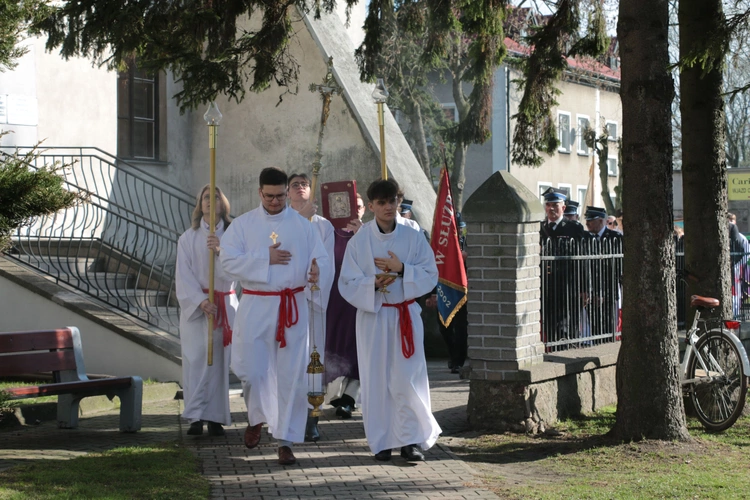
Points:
(648, 381)
(704, 175)
(417, 131)
(602, 153)
(458, 177)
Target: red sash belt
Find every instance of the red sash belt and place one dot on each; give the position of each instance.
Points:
(404, 323)
(221, 320)
(288, 312)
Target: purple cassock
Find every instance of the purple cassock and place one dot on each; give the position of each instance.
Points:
(341, 316)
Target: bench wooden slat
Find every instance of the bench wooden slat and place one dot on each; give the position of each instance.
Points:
(37, 362)
(77, 387)
(36, 340)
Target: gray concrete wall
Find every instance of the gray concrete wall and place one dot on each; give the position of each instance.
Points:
(105, 352)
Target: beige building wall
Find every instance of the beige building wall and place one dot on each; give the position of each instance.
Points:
(571, 169)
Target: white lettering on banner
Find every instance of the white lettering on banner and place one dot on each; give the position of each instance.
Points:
(439, 258)
(445, 221)
(443, 298)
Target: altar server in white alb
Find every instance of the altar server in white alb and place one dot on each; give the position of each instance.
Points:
(205, 388)
(300, 200)
(274, 253)
(390, 337)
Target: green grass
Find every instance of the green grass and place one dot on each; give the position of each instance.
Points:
(164, 471)
(583, 463)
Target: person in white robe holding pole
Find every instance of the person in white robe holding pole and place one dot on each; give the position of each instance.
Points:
(386, 267)
(299, 200)
(205, 388)
(273, 252)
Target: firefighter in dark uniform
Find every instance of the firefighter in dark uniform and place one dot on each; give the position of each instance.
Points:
(571, 211)
(561, 300)
(606, 273)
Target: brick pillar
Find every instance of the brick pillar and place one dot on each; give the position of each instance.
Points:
(502, 218)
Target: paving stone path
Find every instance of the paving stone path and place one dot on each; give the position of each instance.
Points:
(338, 466)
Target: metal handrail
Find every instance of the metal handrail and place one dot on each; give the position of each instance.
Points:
(119, 246)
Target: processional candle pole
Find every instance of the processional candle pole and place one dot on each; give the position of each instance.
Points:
(213, 118)
(380, 95)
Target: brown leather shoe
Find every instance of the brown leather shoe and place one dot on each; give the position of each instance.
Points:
(286, 457)
(252, 435)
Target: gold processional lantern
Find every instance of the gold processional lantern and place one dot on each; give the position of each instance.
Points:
(315, 369)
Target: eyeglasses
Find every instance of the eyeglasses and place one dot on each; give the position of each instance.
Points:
(612, 223)
(297, 185)
(271, 197)
(360, 207)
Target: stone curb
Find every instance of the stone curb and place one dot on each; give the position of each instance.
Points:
(34, 413)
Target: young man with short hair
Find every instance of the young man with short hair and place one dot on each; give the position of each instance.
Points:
(273, 252)
(386, 267)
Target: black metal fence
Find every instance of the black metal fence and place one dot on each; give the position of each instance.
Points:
(581, 292)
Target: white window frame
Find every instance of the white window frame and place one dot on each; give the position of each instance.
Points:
(579, 135)
(563, 148)
(609, 169)
(542, 187)
(610, 137)
(581, 189)
(451, 105)
(568, 187)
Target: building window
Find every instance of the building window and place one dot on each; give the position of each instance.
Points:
(611, 131)
(583, 125)
(543, 186)
(582, 194)
(563, 131)
(564, 189)
(612, 167)
(138, 114)
(450, 111)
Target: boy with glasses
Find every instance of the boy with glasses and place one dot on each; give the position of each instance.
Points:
(301, 201)
(273, 252)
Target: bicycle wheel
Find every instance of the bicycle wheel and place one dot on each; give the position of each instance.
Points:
(718, 395)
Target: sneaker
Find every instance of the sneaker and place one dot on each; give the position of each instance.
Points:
(196, 429)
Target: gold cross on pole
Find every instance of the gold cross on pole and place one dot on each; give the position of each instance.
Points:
(273, 237)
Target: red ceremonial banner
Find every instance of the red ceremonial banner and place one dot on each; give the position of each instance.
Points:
(452, 283)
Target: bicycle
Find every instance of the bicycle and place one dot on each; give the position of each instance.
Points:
(714, 368)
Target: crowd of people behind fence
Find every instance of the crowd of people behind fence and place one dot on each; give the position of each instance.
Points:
(581, 274)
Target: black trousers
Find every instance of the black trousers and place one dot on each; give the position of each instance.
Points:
(456, 337)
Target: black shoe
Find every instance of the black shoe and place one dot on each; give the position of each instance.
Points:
(215, 429)
(412, 453)
(196, 429)
(455, 370)
(383, 456)
(311, 430)
(344, 412)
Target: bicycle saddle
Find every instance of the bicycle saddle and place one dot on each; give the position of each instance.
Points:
(698, 301)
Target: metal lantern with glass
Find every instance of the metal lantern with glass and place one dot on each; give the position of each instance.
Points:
(315, 368)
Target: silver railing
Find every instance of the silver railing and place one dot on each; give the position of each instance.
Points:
(119, 246)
